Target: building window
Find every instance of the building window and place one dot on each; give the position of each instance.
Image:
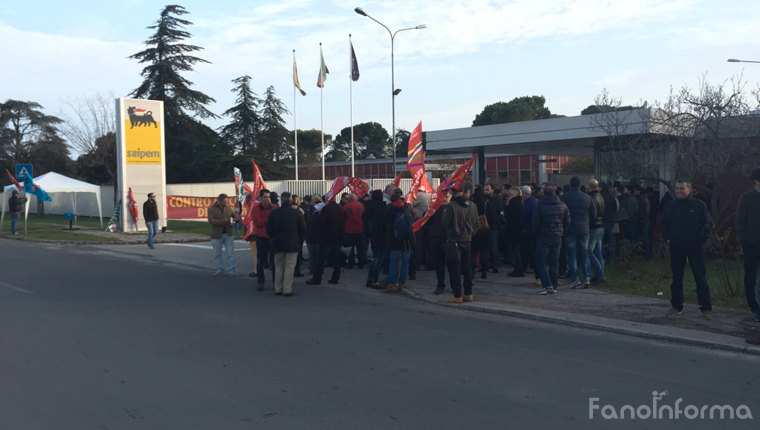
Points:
(525, 177)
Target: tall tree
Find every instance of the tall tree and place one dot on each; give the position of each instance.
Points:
(166, 58)
(244, 129)
(525, 108)
(309, 147)
(369, 138)
(98, 165)
(274, 134)
(27, 133)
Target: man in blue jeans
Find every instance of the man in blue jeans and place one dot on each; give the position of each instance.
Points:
(15, 205)
(150, 213)
(220, 217)
(582, 210)
(596, 233)
(550, 220)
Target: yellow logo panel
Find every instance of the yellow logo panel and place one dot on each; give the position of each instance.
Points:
(143, 141)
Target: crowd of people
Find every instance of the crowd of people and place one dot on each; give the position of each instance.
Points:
(543, 230)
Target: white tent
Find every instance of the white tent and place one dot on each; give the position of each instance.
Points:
(53, 182)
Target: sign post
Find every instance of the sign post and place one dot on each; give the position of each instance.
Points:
(23, 169)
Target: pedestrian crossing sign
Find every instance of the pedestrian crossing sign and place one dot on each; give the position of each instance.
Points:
(22, 170)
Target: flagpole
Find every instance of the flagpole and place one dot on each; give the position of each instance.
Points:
(351, 85)
(295, 112)
(322, 110)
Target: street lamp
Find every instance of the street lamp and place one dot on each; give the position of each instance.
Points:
(394, 90)
(734, 60)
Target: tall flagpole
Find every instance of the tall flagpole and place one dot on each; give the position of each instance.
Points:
(351, 85)
(322, 109)
(295, 112)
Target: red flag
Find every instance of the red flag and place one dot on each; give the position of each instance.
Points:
(415, 156)
(452, 183)
(411, 196)
(250, 228)
(358, 187)
(133, 205)
(258, 181)
(339, 183)
(397, 181)
(15, 182)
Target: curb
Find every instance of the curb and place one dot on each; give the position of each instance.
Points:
(629, 328)
(92, 242)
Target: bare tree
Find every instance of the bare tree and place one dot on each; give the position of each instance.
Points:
(88, 118)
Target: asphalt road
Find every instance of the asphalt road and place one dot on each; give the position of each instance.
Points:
(121, 338)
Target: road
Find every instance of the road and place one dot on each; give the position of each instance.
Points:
(119, 337)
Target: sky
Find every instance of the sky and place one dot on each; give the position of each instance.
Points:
(472, 53)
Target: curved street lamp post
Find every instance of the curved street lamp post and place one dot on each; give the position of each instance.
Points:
(394, 90)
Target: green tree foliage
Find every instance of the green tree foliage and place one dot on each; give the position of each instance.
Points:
(166, 57)
(527, 108)
(369, 138)
(275, 144)
(244, 129)
(402, 143)
(98, 165)
(27, 135)
(579, 166)
(309, 146)
(197, 153)
(593, 109)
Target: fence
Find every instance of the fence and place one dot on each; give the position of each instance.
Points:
(562, 180)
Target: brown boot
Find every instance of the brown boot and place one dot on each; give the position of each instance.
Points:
(390, 289)
(468, 298)
(402, 286)
(455, 300)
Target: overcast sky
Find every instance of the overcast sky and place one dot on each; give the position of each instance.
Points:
(473, 53)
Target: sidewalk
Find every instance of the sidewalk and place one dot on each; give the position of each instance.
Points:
(591, 308)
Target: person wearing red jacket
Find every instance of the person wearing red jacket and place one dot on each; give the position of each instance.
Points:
(354, 230)
(260, 213)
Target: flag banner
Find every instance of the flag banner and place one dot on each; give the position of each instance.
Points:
(133, 205)
(454, 182)
(239, 184)
(358, 186)
(14, 181)
(415, 157)
(113, 223)
(258, 181)
(30, 188)
(397, 181)
(411, 196)
(354, 64)
(196, 208)
(323, 71)
(339, 183)
(295, 76)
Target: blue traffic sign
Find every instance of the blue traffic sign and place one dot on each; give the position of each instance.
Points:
(23, 169)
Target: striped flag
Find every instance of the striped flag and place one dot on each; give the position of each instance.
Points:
(454, 182)
(295, 75)
(323, 71)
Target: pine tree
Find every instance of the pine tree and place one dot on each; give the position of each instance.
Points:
(274, 134)
(244, 130)
(166, 58)
(24, 129)
(369, 138)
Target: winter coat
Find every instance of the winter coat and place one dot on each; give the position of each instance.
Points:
(597, 221)
(493, 212)
(460, 220)
(286, 228)
(219, 218)
(313, 229)
(332, 221)
(513, 213)
(14, 204)
(582, 210)
(354, 217)
(630, 205)
(551, 217)
(375, 224)
(748, 217)
(529, 205)
(260, 217)
(391, 213)
(611, 207)
(437, 229)
(150, 211)
(686, 221)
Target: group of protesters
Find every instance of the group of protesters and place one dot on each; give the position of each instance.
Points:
(551, 232)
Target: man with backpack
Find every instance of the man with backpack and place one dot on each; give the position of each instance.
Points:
(398, 219)
(461, 221)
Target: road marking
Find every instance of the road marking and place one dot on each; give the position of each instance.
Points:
(19, 289)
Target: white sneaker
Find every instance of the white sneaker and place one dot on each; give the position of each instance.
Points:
(575, 285)
(545, 291)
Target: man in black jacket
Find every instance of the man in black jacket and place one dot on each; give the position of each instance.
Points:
(494, 207)
(685, 226)
(286, 229)
(332, 222)
(15, 205)
(611, 207)
(748, 232)
(550, 221)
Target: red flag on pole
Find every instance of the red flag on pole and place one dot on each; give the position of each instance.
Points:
(358, 187)
(15, 182)
(411, 196)
(258, 181)
(339, 183)
(133, 205)
(397, 181)
(452, 183)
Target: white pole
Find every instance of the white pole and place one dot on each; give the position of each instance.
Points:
(322, 108)
(351, 85)
(295, 112)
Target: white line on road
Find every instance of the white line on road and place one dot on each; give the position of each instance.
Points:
(190, 245)
(19, 289)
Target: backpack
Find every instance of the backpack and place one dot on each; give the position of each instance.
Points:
(402, 226)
